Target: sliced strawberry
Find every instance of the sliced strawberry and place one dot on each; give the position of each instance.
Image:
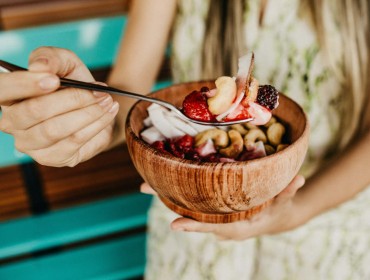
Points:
(195, 107)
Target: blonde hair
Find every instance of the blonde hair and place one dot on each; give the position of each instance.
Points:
(352, 19)
(224, 43)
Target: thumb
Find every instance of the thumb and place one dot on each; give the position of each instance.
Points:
(297, 182)
(60, 62)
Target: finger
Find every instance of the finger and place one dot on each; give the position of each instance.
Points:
(297, 182)
(60, 127)
(186, 224)
(80, 146)
(28, 113)
(147, 189)
(61, 62)
(22, 84)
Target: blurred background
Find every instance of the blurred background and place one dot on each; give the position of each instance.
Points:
(73, 223)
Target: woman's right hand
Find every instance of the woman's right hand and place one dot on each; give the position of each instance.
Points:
(55, 126)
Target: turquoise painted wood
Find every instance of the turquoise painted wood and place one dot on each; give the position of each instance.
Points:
(117, 259)
(95, 41)
(8, 154)
(71, 225)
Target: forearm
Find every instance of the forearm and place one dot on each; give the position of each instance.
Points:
(337, 183)
(141, 53)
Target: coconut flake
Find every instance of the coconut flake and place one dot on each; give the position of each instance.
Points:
(180, 124)
(206, 149)
(260, 114)
(159, 120)
(233, 106)
(151, 135)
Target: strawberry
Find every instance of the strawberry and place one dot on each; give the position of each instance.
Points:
(195, 106)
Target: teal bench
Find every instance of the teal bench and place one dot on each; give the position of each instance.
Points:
(122, 257)
(100, 240)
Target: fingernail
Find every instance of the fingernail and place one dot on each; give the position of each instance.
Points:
(42, 60)
(99, 94)
(38, 64)
(49, 83)
(177, 227)
(114, 108)
(106, 102)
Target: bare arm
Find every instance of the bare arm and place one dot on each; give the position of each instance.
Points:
(337, 183)
(340, 181)
(141, 52)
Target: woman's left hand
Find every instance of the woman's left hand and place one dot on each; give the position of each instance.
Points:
(282, 215)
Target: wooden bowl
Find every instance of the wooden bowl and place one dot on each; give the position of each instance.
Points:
(217, 192)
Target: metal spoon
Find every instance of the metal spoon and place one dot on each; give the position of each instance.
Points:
(7, 67)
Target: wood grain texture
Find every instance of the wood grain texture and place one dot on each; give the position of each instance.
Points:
(22, 13)
(209, 191)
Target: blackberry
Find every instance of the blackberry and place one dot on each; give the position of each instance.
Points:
(267, 96)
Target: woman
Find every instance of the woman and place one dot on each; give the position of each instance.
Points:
(317, 53)
(324, 225)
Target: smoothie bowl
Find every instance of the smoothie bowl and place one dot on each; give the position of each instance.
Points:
(216, 188)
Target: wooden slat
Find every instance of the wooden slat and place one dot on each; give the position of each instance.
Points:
(116, 259)
(22, 14)
(13, 197)
(108, 174)
(73, 225)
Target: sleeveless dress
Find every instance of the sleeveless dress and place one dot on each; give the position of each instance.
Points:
(334, 245)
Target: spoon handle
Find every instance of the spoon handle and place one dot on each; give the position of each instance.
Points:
(9, 67)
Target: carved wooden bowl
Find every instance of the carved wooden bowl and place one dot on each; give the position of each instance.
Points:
(217, 192)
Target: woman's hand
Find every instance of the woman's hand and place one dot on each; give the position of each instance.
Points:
(282, 215)
(55, 126)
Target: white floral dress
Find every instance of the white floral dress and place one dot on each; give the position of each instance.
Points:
(334, 245)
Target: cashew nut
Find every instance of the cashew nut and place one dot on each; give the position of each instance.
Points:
(269, 149)
(250, 126)
(252, 137)
(225, 95)
(270, 122)
(219, 137)
(281, 147)
(275, 133)
(240, 128)
(236, 145)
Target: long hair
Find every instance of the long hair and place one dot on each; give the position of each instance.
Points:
(224, 43)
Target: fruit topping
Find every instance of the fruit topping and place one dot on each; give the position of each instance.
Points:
(268, 97)
(233, 98)
(195, 106)
(230, 144)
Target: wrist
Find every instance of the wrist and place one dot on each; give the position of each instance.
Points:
(302, 212)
